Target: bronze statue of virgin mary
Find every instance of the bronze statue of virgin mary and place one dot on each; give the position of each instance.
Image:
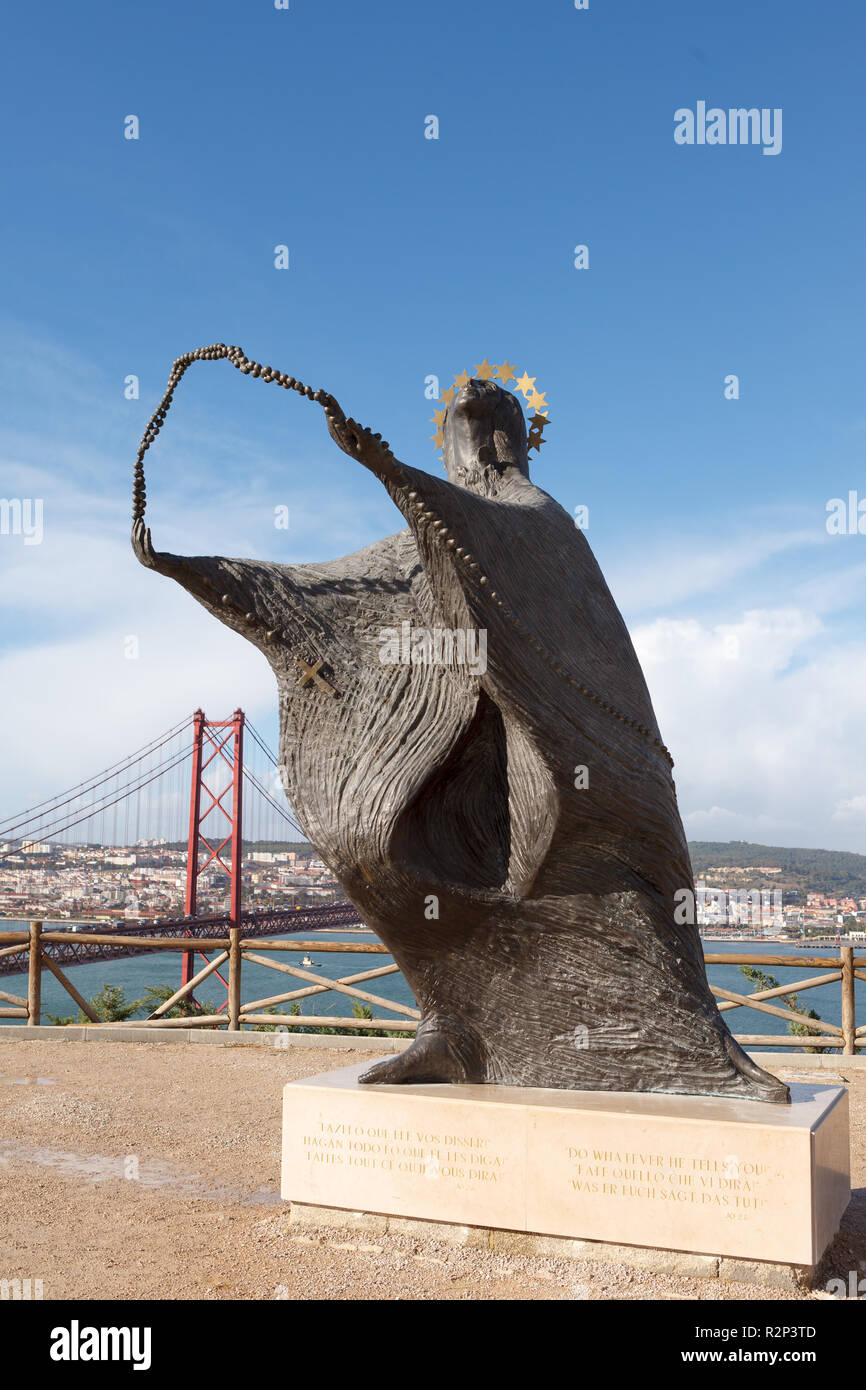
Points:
(509, 828)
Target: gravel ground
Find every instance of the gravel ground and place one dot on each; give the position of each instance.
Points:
(147, 1170)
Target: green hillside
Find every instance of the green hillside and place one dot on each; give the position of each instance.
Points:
(838, 873)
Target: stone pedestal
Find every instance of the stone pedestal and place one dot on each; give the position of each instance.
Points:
(685, 1173)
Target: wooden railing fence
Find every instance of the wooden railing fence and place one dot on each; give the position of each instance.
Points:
(844, 968)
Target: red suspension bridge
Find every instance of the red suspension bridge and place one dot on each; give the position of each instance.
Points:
(175, 813)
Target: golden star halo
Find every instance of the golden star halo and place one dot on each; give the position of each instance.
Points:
(486, 372)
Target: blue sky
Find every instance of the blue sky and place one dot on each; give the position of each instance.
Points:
(411, 257)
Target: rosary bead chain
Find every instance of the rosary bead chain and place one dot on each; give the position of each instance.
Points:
(236, 356)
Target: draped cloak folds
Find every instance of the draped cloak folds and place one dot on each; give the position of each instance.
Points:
(532, 907)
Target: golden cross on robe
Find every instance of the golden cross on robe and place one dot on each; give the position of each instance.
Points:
(311, 673)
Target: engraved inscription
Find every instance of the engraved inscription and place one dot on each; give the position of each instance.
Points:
(736, 1186)
(391, 1150)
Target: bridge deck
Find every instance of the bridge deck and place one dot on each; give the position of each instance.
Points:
(333, 916)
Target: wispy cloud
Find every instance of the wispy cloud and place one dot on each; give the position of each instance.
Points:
(682, 564)
(764, 717)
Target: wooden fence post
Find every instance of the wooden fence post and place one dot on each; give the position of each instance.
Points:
(234, 978)
(34, 975)
(848, 1018)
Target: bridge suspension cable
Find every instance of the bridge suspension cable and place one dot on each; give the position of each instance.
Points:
(283, 811)
(107, 801)
(89, 784)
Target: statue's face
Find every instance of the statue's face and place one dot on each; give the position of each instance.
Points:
(470, 421)
(477, 411)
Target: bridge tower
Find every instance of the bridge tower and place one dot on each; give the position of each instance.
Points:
(218, 749)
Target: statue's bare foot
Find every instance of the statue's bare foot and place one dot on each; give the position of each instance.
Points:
(762, 1084)
(436, 1055)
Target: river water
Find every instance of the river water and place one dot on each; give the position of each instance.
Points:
(135, 973)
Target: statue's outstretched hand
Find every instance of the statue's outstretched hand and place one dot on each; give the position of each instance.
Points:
(356, 440)
(143, 545)
(339, 428)
(172, 566)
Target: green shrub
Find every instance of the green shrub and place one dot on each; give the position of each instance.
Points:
(788, 1001)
